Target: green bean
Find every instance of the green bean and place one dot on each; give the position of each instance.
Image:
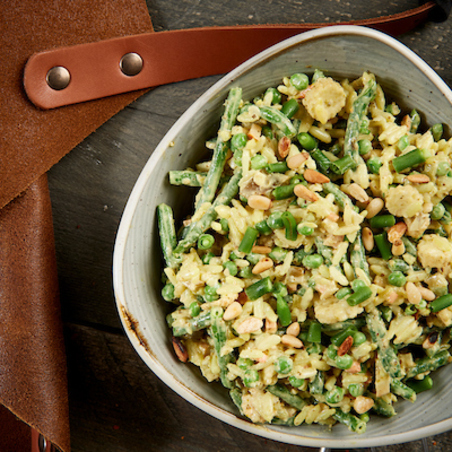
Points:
(317, 384)
(290, 107)
(317, 74)
(383, 246)
(358, 323)
(275, 221)
(307, 141)
(441, 303)
(402, 390)
(246, 272)
(419, 386)
(342, 165)
(398, 265)
(207, 257)
(279, 167)
(386, 313)
(340, 337)
(208, 190)
(248, 240)
(259, 288)
(410, 159)
(355, 118)
(279, 119)
(199, 227)
(415, 121)
(315, 332)
(357, 284)
(428, 364)
(383, 408)
(354, 423)
(410, 247)
(443, 169)
(397, 279)
(340, 197)
(374, 164)
(263, 228)
(198, 323)
(403, 143)
(299, 81)
(276, 95)
(285, 395)
(167, 233)
(283, 311)
(437, 131)
(342, 293)
(358, 256)
(168, 292)
(231, 267)
(291, 226)
(205, 241)
(324, 250)
(290, 422)
(323, 162)
(382, 221)
(283, 191)
(188, 178)
(236, 397)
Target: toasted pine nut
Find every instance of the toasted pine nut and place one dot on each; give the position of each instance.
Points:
(296, 160)
(180, 350)
(406, 121)
(242, 298)
(255, 132)
(374, 207)
(283, 147)
(345, 346)
(392, 297)
(293, 329)
(418, 178)
(397, 231)
(333, 217)
(264, 264)
(259, 202)
(426, 294)
(270, 326)
(363, 404)
(302, 192)
(302, 94)
(187, 222)
(398, 248)
(292, 288)
(250, 325)
(291, 341)
(368, 239)
(412, 293)
(232, 311)
(355, 368)
(259, 249)
(430, 340)
(314, 177)
(357, 192)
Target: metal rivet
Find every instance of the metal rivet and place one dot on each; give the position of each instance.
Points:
(131, 64)
(42, 443)
(58, 78)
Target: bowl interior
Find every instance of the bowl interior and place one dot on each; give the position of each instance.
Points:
(340, 52)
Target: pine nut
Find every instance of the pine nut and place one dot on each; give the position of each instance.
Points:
(283, 147)
(250, 325)
(412, 293)
(398, 248)
(255, 132)
(314, 177)
(302, 192)
(430, 340)
(333, 217)
(357, 192)
(396, 232)
(293, 329)
(259, 249)
(242, 298)
(363, 404)
(355, 368)
(264, 264)
(296, 160)
(291, 341)
(270, 326)
(418, 178)
(259, 202)
(345, 346)
(426, 294)
(392, 297)
(180, 350)
(232, 311)
(368, 239)
(406, 121)
(374, 207)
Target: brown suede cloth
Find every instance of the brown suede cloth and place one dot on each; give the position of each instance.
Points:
(33, 382)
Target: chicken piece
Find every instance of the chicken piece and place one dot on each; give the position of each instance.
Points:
(404, 201)
(325, 99)
(259, 183)
(417, 225)
(434, 251)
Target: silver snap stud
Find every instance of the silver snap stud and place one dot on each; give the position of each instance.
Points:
(58, 78)
(131, 64)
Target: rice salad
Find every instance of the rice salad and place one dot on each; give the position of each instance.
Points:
(312, 278)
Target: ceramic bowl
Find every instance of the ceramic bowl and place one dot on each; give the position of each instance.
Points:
(339, 51)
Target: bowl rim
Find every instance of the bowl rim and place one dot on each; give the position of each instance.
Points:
(135, 196)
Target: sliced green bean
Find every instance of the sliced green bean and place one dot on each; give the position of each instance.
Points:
(285, 395)
(279, 119)
(167, 233)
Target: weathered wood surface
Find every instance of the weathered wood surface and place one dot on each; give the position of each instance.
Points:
(116, 403)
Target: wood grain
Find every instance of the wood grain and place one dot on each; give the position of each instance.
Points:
(116, 403)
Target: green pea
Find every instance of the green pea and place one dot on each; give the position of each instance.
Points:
(207, 257)
(267, 132)
(342, 293)
(290, 108)
(397, 279)
(410, 309)
(364, 146)
(275, 221)
(317, 74)
(195, 309)
(299, 81)
(344, 362)
(307, 141)
(231, 267)
(437, 131)
(443, 169)
(238, 141)
(331, 352)
(168, 292)
(258, 162)
(210, 290)
(276, 95)
(438, 212)
(246, 272)
(251, 377)
(296, 382)
(305, 230)
(374, 164)
(356, 389)
(278, 254)
(263, 228)
(283, 365)
(280, 288)
(334, 395)
(358, 338)
(313, 261)
(403, 143)
(244, 363)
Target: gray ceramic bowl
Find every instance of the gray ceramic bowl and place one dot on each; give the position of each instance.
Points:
(342, 51)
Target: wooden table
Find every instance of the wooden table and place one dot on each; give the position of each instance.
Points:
(116, 402)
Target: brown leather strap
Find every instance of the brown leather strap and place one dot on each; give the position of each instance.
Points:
(170, 57)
